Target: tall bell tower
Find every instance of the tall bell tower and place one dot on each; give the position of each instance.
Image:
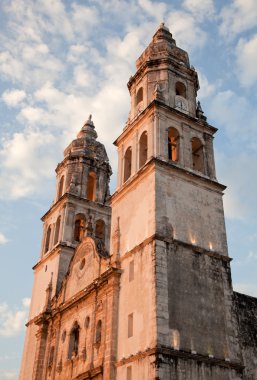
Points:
(81, 203)
(175, 305)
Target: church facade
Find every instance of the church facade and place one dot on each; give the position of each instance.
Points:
(137, 285)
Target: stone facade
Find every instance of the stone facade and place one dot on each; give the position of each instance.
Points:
(138, 285)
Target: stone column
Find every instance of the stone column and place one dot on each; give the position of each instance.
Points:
(157, 134)
(68, 223)
(61, 231)
(84, 178)
(210, 156)
(100, 187)
(161, 282)
(111, 341)
(134, 154)
(187, 149)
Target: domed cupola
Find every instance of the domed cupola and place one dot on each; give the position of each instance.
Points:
(86, 166)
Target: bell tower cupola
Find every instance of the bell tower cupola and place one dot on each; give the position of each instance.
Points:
(163, 73)
(85, 170)
(165, 121)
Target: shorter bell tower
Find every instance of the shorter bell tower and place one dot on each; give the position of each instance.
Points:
(81, 203)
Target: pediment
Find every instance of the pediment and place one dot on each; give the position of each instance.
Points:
(86, 266)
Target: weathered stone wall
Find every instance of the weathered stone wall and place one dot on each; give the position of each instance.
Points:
(137, 297)
(185, 369)
(140, 368)
(135, 208)
(200, 303)
(245, 308)
(193, 207)
(44, 272)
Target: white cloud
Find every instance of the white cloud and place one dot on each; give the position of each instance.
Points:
(206, 88)
(153, 8)
(10, 375)
(77, 52)
(84, 19)
(10, 67)
(246, 288)
(234, 113)
(13, 97)
(25, 163)
(202, 9)
(238, 16)
(32, 115)
(82, 76)
(246, 53)
(12, 320)
(26, 302)
(3, 239)
(187, 33)
(252, 256)
(240, 196)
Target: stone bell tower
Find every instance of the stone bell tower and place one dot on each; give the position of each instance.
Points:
(81, 203)
(175, 305)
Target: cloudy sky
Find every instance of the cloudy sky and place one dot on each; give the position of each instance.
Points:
(61, 61)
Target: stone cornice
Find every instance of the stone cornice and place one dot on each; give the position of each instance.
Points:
(154, 106)
(196, 175)
(210, 183)
(159, 61)
(144, 170)
(176, 243)
(183, 354)
(90, 374)
(55, 250)
(68, 197)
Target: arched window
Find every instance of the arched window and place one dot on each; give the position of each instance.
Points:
(127, 164)
(74, 341)
(98, 332)
(181, 89)
(60, 188)
(91, 186)
(57, 230)
(79, 227)
(173, 144)
(197, 154)
(48, 237)
(139, 96)
(143, 149)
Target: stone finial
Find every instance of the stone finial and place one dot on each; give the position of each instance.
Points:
(49, 293)
(162, 26)
(88, 129)
(199, 107)
(199, 112)
(90, 121)
(116, 243)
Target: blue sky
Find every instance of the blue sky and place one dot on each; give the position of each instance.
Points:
(61, 61)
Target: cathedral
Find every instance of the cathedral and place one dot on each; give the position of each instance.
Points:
(137, 285)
